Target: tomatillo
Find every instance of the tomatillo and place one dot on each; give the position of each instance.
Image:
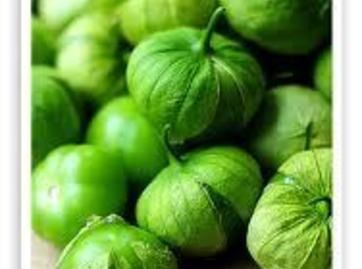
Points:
(201, 84)
(123, 130)
(112, 243)
(292, 222)
(54, 116)
(201, 203)
(71, 184)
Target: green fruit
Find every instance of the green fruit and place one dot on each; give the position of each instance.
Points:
(121, 128)
(283, 26)
(42, 43)
(72, 184)
(291, 225)
(323, 73)
(90, 57)
(200, 83)
(291, 119)
(59, 13)
(54, 118)
(159, 15)
(112, 243)
(202, 203)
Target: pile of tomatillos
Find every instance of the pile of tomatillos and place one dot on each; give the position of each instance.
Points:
(182, 134)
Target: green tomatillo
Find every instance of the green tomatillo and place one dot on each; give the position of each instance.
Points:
(57, 14)
(122, 129)
(91, 58)
(323, 73)
(291, 119)
(54, 117)
(43, 43)
(111, 243)
(71, 184)
(201, 203)
(282, 26)
(291, 225)
(159, 15)
(200, 83)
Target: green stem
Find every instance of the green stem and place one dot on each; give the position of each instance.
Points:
(206, 39)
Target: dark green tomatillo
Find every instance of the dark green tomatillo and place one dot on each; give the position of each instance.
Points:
(91, 59)
(54, 117)
(142, 18)
(200, 83)
(291, 119)
(292, 222)
(120, 128)
(43, 43)
(202, 203)
(111, 243)
(70, 185)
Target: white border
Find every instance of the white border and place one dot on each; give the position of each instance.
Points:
(352, 125)
(9, 130)
(25, 134)
(338, 138)
(337, 48)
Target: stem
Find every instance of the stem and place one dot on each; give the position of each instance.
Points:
(172, 155)
(205, 41)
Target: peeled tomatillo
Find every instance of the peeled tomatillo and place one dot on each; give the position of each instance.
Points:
(73, 183)
(120, 128)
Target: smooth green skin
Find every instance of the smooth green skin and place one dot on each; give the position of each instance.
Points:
(54, 118)
(111, 243)
(291, 119)
(42, 43)
(323, 73)
(282, 26)
(90, 57)
(57, 14)
(202, 203)
(121, 128)
(291, 225)
(160, 15)
(200, 89)
(73, 183)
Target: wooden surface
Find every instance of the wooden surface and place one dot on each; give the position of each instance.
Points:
(44, 256)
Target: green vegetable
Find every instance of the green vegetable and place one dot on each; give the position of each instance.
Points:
(90, 57)
(200, 83)
(201, 203)
(59, 13)
(42, 43)
(121, 128)
(159, 15)
(283, 26)
(71, 184)
(291, 225)
(291, 119)
(112, 243)
(54, 117)
(323, 73)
